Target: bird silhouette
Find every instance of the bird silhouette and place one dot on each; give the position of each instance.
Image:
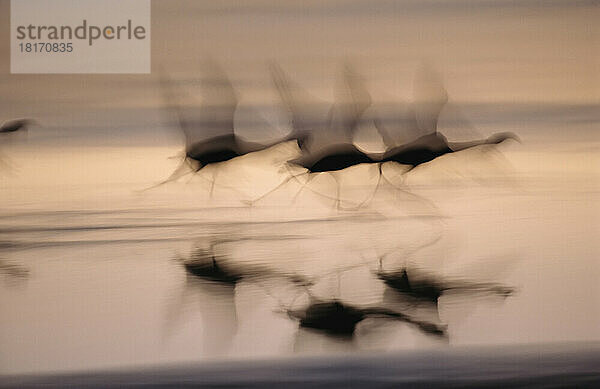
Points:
(328, 145)
(430, 97)
(16, 125)
(8, 128)
(210, 137)
(331, 148)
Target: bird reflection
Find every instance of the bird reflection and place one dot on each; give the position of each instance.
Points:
(214, 278)
(13, 273)
(203, 264)
(339, 319)
(210, 290)
(426, 288)
(216, 303)
(206, 264)
(211, 282)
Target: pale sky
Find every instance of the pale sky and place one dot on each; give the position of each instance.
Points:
(487, 51)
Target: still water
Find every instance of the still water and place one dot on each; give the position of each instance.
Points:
(92, 273)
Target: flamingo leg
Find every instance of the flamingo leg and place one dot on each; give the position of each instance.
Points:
(309, 179)
(214, 179)
(180, 171)
(338, 201)
(280, 185)
(418, 198)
